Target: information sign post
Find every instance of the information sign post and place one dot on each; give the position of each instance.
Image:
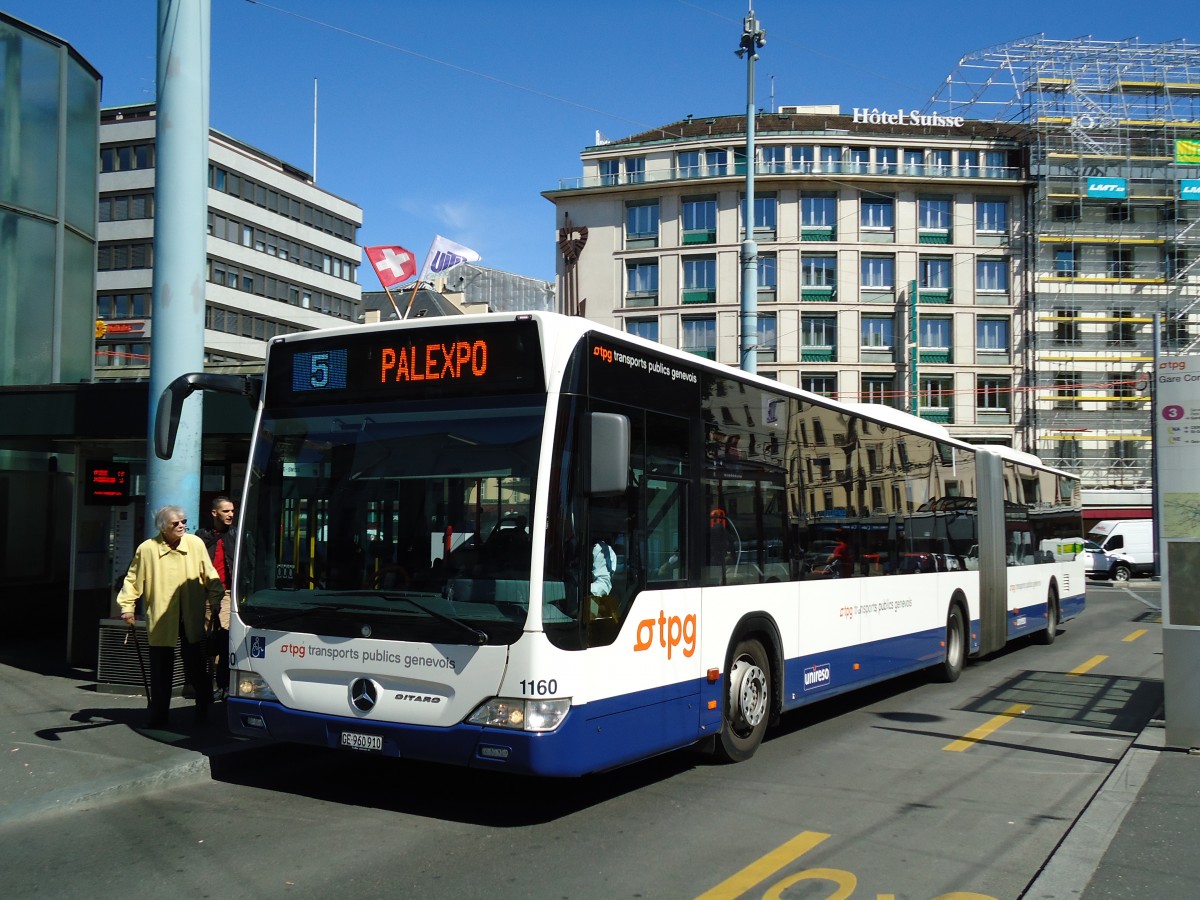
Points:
(1177, 487)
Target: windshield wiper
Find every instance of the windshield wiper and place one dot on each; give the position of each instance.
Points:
(480, 636)
(271, 619)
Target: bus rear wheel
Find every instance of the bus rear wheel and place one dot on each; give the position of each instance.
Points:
(955, 659)
(1051, 631)
(747, 702)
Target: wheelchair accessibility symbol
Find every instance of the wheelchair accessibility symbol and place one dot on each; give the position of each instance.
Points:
(258, 646)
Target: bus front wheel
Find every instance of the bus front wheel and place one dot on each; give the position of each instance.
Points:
(747, 702)
(956, 646)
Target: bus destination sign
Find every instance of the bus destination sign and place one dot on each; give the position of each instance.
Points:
(435, 361)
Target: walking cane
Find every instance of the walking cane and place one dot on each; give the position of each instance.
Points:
(141, 664)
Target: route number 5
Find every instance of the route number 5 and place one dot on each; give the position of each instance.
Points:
(320, 370)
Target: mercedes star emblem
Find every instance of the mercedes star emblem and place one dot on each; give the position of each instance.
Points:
(363, 695)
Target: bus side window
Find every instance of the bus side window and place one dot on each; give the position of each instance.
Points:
(666, 533)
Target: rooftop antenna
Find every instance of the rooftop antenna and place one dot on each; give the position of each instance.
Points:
(314, 130)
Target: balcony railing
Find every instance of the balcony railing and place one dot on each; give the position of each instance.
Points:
(797, 169)
(815, 353)
(818, 292)
(934, 295)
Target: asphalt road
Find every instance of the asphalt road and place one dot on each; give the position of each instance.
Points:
(912, 790)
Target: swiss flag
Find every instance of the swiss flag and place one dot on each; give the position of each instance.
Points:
(393, 265)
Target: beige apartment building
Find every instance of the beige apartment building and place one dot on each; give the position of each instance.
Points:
(892, 254)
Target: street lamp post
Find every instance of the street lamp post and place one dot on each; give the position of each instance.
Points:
(753, 37)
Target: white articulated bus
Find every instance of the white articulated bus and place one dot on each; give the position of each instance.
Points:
(528, 543)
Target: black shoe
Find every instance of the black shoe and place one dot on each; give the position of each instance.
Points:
(219, 694)
(189, 693)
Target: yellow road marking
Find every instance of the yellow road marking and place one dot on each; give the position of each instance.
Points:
(974, 737)
(738, 884)
(1088, 666)
(846, 883)
(1133, 637)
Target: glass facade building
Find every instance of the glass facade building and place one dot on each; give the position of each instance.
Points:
(49, 140)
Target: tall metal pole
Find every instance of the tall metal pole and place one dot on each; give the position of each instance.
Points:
(180, 235)
(753, 37)
(914, 352)
(1155, 509)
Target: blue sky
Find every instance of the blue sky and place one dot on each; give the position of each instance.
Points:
(451, 117)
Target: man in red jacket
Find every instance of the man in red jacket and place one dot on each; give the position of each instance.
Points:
(220, 540)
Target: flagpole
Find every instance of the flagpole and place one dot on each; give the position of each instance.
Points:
(411, 297)
(391, 300)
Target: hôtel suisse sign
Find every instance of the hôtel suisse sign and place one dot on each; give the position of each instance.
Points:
(876, 116)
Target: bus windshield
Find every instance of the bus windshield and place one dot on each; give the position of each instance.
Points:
(399, 522)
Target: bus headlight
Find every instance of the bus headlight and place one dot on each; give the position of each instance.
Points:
(252, 686)
(521, 715)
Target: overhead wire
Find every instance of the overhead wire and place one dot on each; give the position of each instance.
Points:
(856, 186)
(424, 57)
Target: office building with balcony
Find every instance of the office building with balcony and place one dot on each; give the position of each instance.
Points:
(282, 253)
(891, 250)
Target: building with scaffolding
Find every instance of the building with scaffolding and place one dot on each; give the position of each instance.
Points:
(1114, 150)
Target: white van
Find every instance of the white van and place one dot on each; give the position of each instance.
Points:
(1129, 544)
(1096, 561)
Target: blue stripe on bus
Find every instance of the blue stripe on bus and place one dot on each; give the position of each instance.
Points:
(834, 672)
(1035, 616)
(617, 730)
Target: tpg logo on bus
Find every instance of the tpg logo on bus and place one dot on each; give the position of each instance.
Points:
(817, 676)
(672, 632)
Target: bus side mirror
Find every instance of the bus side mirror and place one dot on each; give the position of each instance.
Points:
(170, 402)
(609, 473)
(166, 419)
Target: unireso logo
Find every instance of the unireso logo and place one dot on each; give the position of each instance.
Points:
(817, 676)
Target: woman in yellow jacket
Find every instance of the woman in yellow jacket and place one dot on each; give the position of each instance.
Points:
(174, 577)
